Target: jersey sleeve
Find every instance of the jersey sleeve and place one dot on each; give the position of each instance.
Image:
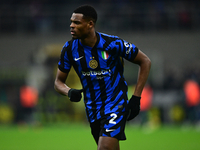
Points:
(127, 50)
(64, 63)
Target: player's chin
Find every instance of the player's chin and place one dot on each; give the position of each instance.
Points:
(74, 37)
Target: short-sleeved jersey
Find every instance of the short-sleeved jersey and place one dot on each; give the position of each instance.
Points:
(100, 70)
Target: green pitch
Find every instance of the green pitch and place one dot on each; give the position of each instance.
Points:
(78, 137)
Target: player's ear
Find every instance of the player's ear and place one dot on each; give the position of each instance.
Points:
(91, 24)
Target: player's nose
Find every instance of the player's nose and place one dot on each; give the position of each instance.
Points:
(72, 25)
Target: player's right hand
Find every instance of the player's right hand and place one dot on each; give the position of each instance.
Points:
(75, 95)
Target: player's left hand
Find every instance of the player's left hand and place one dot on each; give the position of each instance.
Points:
(75, 95)
(133, 107)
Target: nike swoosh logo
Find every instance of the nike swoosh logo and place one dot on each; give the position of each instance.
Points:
(76, 59)
(109, 130)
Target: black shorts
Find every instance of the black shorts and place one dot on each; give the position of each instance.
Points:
(111, 125)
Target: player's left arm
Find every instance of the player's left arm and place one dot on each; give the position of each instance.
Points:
(144, 63)
(144, 67)
(128, 51)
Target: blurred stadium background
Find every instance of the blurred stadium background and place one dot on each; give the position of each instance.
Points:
(33, 32)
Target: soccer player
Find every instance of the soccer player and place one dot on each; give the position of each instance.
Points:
(98, 60)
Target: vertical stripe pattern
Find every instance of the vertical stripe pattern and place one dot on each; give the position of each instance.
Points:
(100, 70)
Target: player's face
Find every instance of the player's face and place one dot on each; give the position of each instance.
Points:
(79, 26)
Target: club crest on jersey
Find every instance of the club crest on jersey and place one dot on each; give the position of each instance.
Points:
(93, 64)
(104, 55)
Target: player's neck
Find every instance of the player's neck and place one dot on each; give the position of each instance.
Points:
(90, 40)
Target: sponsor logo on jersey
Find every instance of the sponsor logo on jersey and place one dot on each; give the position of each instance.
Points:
(99, 74)
(129, 47)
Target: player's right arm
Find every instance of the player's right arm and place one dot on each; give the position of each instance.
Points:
(59, 83)
(64, 66)
(60, 86)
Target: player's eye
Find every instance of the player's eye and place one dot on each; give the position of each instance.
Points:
(76, 22)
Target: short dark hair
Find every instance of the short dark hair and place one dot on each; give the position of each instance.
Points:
(88, 12)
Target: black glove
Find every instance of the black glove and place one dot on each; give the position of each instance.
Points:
(75, 95)
(133, 107)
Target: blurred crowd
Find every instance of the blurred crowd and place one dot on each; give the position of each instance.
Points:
(169, 102)
(50, 15)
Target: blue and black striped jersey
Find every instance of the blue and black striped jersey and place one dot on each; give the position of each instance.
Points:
(100, 70)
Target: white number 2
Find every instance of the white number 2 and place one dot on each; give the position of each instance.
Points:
(114, 116)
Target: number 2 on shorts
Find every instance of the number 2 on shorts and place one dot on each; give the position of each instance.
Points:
(114, 116)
